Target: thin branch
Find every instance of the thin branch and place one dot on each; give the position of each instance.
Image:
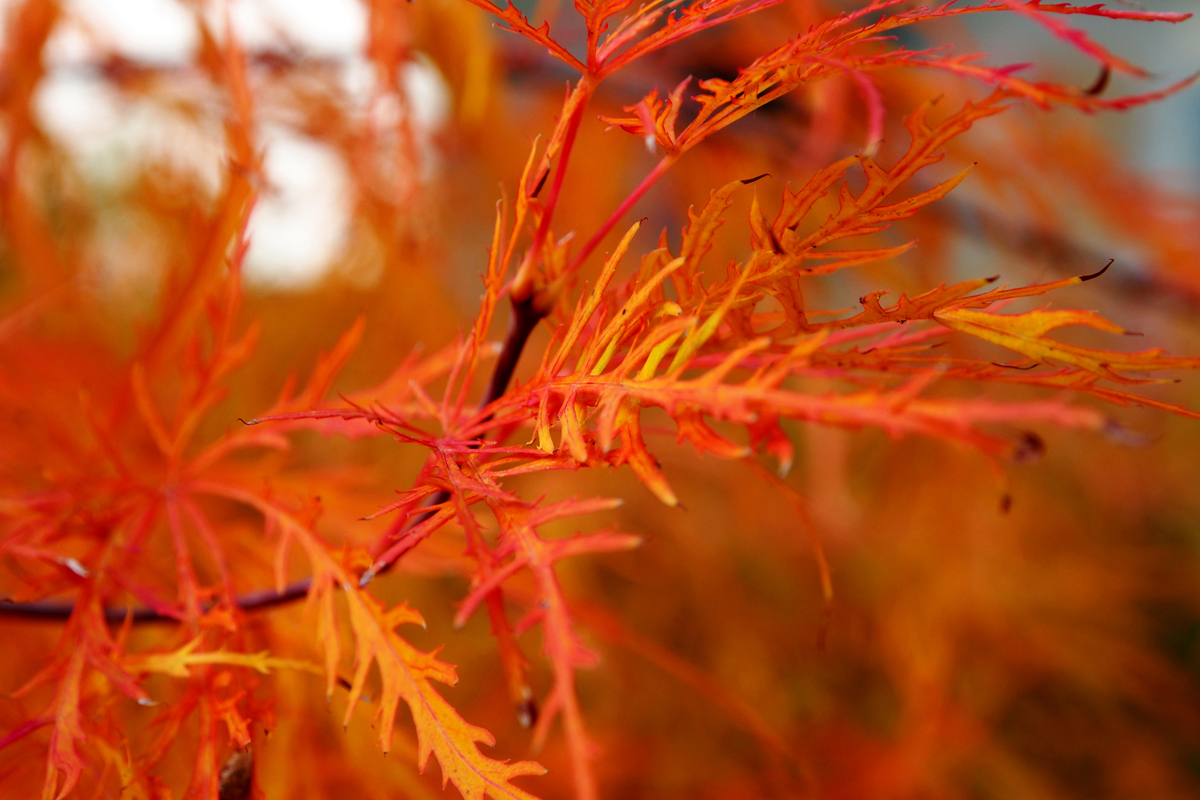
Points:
(651, 178)
(56, 611)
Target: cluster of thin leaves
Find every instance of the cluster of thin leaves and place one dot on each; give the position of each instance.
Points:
(129, 491)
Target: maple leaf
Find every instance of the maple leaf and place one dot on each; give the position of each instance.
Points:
(1026, 334)
(516, 22)
(179, 662)
(406, 672)
(67, 731)
(129, 492)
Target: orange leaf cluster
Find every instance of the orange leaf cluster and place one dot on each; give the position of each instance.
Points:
(169, 488)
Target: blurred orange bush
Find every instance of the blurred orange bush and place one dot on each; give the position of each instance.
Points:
(788, 602)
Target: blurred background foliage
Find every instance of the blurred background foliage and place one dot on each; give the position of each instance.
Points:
(1049, 651)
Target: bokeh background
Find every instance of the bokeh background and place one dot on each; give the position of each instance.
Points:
(1050, 650)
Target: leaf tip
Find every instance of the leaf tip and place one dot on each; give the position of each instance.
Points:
(1094, 275)
(1101, 82)
(527, 711)
(1029, 448)
(1116, 432)
(785, 466)
(75, 567)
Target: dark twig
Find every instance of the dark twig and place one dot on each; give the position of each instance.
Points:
(60, 610)
(526, 315)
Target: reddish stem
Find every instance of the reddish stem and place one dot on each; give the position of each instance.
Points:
(523, 285)
(659, 170)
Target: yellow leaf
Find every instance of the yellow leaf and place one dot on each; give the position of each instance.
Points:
(177, 663)
(1026, 334)
(405, 671)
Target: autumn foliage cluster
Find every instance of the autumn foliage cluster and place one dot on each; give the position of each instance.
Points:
(735, 424)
